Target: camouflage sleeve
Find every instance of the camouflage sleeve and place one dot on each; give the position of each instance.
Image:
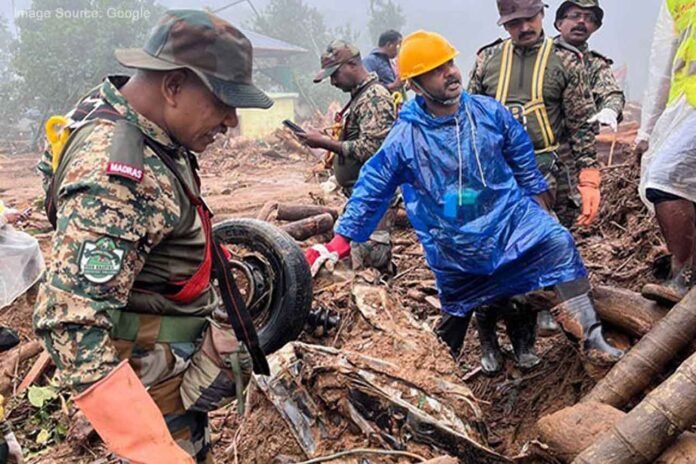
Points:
(45, 168)
(475, 86)
(375, 115)
(578, 108)
(605, 89)
(106, 226)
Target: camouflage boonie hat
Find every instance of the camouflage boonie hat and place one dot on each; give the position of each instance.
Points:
(337, 53)
(511, 10)
(585, 4)
(219, 54)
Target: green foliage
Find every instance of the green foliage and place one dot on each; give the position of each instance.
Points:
(59, 57)
(384, 15)
(49, 417)
(300, 24)
(38, 396)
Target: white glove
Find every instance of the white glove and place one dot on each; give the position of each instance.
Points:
(607, 117)
(326, 258)
(15, 449)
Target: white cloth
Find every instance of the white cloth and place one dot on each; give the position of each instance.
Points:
(326, 258)
(14, 448)
(607, 117)
(21, 264)
(669, 164)
(664, 46)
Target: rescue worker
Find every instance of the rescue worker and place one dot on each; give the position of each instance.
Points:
(125, 308)
(668, 119)
(379, 60)
(471, 189)
(363, 123)
(577, 20)
(543, 84)
(10, 450)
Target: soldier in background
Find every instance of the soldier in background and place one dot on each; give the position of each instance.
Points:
(577, 20)
(364, 123)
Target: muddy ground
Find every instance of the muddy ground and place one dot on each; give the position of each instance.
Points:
(239, 177)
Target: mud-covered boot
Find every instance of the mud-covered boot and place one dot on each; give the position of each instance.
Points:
(491, 356)
(672, 291)
(521, 328)
(546, 323)
(578, 319)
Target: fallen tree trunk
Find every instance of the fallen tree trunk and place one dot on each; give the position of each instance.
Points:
(571, 430)
(290, 212)
(652, 426)
(622, 308)
(309, 227)
(634, 372)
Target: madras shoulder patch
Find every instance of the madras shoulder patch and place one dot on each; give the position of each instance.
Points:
(100, 261)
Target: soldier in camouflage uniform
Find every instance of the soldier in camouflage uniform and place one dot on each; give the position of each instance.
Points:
(365, 122)
(577, 20)
(127, 300)
(544, 84)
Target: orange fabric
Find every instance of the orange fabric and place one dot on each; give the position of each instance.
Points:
(423, 51)
(128, 420)
(588, 186)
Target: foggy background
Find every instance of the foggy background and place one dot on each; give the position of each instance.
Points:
(469, 24)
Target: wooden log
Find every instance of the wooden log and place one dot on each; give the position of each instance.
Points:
(622, 308)
(290, 212)
(634, 372)
(13, 358)
(571, 430)
(627, 310)
(652, 426)
(309, 227)
(266, 210)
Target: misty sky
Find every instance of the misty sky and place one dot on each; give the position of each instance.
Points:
(625, 36)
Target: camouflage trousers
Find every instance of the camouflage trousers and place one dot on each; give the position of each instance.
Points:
(559, 171)
(188, 380)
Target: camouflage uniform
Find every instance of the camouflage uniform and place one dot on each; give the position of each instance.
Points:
(605, 90)
(569, 106)
(119, 242)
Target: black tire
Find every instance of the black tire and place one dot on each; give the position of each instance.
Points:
(291, 296)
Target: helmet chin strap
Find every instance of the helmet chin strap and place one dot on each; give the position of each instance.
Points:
(440, 101)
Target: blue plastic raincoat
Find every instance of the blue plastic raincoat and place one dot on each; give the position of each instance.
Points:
(468, 194)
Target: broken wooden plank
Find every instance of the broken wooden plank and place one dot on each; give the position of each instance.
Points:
(36, 371)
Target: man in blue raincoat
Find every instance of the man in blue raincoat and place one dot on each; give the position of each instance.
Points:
(469, 179)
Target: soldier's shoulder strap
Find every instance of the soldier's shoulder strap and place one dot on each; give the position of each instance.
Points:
(602, 57)
(126, 152)
(489, 47)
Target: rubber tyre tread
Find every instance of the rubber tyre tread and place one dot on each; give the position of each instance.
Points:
(288, 316)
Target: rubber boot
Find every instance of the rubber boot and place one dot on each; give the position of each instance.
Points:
(452, 330)
(578, 319)
(491, 356)
(521, 325)
(672, 291)
(546, 323)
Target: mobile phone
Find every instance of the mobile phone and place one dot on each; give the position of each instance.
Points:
(292, 126)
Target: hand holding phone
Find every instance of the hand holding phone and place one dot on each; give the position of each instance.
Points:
(293, 127)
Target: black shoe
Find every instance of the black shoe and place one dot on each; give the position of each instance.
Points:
(672, 291)
(8, 339)
(491, 356)
(579, 321)
(520, 325)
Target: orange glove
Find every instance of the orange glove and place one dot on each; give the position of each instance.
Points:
(589, 191)
(128, 420)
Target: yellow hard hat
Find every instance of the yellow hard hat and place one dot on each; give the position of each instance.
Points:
(423, 51)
